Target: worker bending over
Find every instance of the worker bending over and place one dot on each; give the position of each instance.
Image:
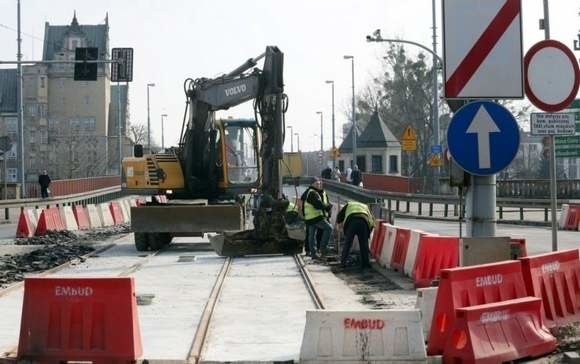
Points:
(356, 219)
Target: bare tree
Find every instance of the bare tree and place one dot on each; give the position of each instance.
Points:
(137, 132)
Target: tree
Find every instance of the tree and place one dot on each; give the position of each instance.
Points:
(137, 133)
(403, 96)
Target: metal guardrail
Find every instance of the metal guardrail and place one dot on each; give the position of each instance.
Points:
(401, 202)
(96, 196)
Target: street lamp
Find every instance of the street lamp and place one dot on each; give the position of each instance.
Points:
(291, 139)
(353, 114)
(321, 132)
(149, 120)
(298, 140)
(437, 63)
(162, 132)
(333, 143)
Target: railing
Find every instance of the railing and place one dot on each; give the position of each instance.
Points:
(447, 206)
(65, 187)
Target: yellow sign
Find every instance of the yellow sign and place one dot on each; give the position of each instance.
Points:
(334, 152)
(409, 140)
(409, 134)
(436, 161)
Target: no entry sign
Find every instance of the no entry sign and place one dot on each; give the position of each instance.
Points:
(551, 75)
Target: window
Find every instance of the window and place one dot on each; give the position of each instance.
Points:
(42, 80)
(32, 136)
(12, 174)
(11, 154)
(43, 110)
(393, 164)
(377, 164)
(87, 100)
(43, 136)
(31, 110)
(11, 124)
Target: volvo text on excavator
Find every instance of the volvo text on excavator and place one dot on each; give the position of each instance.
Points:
(219, 167)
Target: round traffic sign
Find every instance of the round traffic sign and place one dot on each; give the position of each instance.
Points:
(483, 137)
(551, 75)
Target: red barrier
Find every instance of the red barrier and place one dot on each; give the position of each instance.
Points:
(518, 247)
(81, 216)
(573, 217)
(116, 213)
(471, 286)
(499, 332)
(378, 235)
(79, 319)
(400, 249)
(434, 254)
(555, 278)
(49, 220)
(25, 228)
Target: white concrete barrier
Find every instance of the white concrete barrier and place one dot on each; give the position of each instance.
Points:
(374, 336)
(94, 218)
(105, 214)
(563, 216)
(412, 252)
(36, 212)
(32, 215)
(388, 245)
(426, 304)
(126, 210)
(68, 218)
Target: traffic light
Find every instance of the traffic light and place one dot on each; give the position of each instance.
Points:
(86, 71)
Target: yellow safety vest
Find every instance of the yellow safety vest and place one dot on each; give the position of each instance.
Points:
(311, 212)
(354, 207)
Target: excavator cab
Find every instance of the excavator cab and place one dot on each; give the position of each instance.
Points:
(238, 162)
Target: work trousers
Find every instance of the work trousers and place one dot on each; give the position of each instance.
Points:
(356, 226)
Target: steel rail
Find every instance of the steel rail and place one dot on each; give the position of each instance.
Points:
(202, 328)
(309, 283)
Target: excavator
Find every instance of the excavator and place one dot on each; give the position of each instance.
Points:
(221, 168)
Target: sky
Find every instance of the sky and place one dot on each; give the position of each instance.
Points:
(178, 39)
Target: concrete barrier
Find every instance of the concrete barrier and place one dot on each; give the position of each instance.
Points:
(68, 218)
(426, 304)
(105, 214)
(126, 210)
(412, 252)
(374, 336)
(388, 244)
(94, 218)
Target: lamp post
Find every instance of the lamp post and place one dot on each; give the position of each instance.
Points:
(437, 61)
(291, 139)
(162, 131)
(298, 141)
(149, 120)
(353, 114)
(331, 82)
(321, 132)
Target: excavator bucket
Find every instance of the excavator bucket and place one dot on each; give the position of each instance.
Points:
(236, 244)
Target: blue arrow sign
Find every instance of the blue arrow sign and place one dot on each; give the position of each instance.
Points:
(483, 137)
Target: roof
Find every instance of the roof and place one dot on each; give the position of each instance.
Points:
(95, 35)
(375, 135)
(8, 90)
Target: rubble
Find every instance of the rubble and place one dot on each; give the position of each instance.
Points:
(55, 248)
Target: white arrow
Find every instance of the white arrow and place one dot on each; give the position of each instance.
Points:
(482, 124)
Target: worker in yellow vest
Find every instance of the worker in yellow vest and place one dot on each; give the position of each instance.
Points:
(356, 219)
(317, 208)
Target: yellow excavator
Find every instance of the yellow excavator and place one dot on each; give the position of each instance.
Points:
(220, 169)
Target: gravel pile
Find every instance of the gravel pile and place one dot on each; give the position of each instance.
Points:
(55, 237)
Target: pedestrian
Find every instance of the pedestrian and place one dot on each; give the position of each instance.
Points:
(317, 208)
(348, 175)
(326, 173)
(44, 182)
(356, 219)
(337, 174)
(356, 176)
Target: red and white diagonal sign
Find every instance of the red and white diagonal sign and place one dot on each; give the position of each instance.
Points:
(482, 46)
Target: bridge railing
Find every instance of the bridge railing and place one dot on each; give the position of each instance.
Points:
(430, 205)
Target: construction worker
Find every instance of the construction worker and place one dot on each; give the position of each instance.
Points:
(356, 219)
(316, 207)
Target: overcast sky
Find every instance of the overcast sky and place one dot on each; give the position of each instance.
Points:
(177, 39)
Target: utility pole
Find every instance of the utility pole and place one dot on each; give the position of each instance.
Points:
(333, 136)
(22, 173)
(435, 96)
